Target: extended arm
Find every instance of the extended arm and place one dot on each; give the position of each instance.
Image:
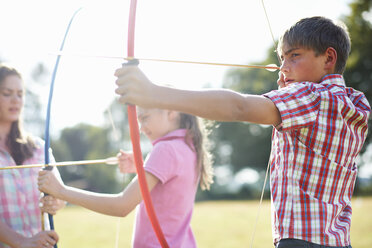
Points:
(110, 204)
(215, 104)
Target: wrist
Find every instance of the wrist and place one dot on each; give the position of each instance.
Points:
(19, 241)
(62, 193)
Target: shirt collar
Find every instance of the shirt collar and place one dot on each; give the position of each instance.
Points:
(334, 79)
(176, 134)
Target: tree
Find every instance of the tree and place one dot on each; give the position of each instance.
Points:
(84, 142)
(243, 144)
(358, 72)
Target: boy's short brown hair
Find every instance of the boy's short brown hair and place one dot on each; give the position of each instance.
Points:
(318, 33)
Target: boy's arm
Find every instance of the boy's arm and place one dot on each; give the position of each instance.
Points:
(214, 104)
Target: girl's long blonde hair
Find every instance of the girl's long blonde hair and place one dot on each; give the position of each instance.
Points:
(197, 133)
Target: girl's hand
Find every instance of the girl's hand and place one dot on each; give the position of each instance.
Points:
(43, 239)
(126, 162)
(48, 183)
(51, 205)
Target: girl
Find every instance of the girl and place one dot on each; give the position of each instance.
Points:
(177, 162)
(20, 215)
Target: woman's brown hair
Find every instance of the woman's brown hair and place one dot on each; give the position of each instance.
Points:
(20, 144)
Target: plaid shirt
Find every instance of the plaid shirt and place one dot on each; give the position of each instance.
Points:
(314, 151)
(19, 194)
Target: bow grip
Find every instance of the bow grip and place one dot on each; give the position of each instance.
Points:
(130, 62)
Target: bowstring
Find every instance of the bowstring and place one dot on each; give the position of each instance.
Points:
(268, 164)
(271, 32)
(117, 140)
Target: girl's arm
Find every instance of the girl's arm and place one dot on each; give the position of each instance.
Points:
(110, 204)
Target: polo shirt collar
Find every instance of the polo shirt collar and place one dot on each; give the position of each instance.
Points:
(176, 134)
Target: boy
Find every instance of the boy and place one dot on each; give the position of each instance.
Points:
(320, 127)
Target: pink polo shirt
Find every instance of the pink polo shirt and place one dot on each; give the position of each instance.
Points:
(173, 162)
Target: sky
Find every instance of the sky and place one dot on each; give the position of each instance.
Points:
(227, 31)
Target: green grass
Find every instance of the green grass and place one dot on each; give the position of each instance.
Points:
(215, 224)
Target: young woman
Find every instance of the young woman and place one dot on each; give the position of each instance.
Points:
(20, 214)
(178, 162)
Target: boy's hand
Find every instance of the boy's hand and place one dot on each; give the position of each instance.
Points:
(134, 87)
(126, 162)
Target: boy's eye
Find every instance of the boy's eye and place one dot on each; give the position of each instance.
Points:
(294, 55)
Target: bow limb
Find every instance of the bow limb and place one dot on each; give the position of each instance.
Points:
(135, 138)
(47, 136)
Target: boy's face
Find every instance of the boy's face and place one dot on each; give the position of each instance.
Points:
(300, 64)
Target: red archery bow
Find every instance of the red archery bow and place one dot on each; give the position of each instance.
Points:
(135, 137)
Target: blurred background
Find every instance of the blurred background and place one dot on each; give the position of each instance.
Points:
(216, 31)
(234, 31)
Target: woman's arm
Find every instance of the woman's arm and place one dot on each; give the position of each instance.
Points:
(110, 204)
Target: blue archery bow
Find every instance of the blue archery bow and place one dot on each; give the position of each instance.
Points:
(47, 137)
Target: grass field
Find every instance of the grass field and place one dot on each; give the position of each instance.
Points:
(222, 224)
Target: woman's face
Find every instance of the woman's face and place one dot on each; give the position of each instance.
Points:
(11, 99)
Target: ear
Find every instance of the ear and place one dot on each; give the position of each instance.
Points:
(331, 59)
(172, 114)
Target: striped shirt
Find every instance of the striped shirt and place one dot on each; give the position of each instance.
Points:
(313, 159)
(19, 194)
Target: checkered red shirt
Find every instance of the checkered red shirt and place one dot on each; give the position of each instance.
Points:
(313, 159)
(19, 194)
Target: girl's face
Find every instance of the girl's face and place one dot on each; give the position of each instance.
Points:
(155, 123)
(11, 99)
